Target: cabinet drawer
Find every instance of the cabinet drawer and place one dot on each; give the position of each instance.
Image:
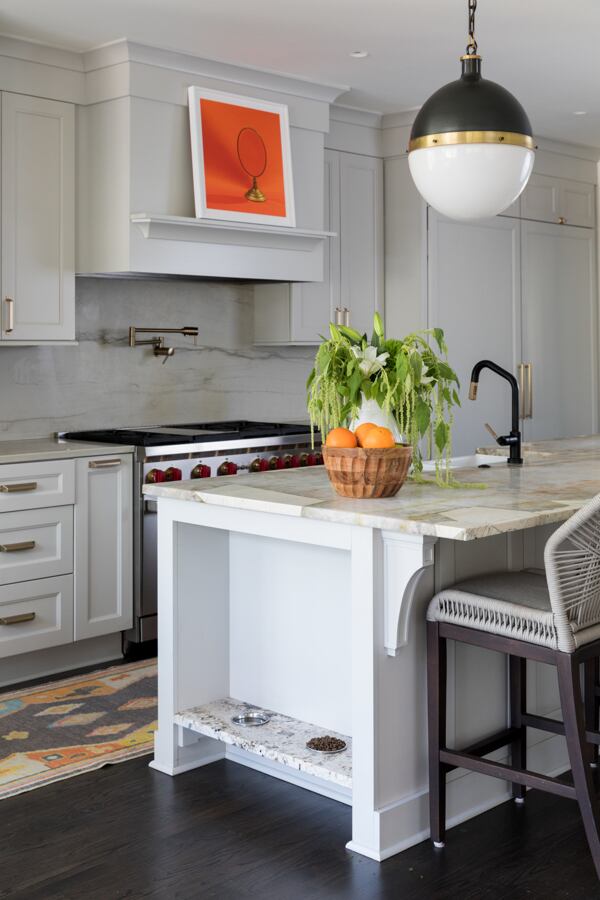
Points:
(38, 484)
(35, 615)
(36, 543)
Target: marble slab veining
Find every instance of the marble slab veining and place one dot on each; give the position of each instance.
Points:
(282, 740)
(36, 449)
(558, 477)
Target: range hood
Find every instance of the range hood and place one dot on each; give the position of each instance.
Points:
(136, 197)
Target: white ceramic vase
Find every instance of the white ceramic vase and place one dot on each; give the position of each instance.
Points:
(370, 411)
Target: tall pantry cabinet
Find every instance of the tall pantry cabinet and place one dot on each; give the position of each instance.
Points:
(522, 292)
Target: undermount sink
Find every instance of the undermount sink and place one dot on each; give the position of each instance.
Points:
(468, 462)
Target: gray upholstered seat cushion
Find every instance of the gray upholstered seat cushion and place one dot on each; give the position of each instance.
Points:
(511, 604)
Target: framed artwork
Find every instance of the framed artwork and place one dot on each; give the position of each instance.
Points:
(241, 158)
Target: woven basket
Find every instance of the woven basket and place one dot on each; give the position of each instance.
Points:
(367, 473)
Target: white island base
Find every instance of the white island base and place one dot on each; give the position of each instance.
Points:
(311, 607)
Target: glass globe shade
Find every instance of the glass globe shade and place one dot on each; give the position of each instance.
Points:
(471, 181)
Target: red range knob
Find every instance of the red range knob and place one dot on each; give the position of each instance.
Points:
(255, 465)
(287, 461)
(201, 471)
(155, 476)
(173, 474)
(276, 462)
(294, 461)
(264, 465)
(227, 468)
(311, 459)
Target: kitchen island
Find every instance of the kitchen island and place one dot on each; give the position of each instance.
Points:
(276, 593)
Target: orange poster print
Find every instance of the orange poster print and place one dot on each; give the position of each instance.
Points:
(241, 158)
(232, 158)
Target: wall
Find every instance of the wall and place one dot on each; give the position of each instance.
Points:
(103, 382)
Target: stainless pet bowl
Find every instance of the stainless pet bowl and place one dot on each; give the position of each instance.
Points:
(251, 720)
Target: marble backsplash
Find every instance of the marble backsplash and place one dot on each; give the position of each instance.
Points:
(103, 382)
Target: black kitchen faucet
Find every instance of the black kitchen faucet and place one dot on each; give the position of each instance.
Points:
(512, 440)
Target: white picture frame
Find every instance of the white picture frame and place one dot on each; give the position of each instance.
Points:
(204, 210)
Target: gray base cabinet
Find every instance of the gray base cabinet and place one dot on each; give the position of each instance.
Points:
(66, 547)
(103, 546)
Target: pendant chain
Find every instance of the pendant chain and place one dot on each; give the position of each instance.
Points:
(472, 43)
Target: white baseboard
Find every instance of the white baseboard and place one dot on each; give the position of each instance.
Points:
(55, 660)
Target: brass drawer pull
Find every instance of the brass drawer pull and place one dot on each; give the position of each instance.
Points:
(18, 487)
(14, 548)
(18, 619)
(103, 463)
(10, 314)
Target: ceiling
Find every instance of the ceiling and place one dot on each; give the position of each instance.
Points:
(545, 51)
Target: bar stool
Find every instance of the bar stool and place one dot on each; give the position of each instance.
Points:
(552, 618)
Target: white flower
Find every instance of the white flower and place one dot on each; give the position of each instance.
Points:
(369, 361)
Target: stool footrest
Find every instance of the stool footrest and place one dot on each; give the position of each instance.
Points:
(543, 723)
(462, 760)
(490, 744)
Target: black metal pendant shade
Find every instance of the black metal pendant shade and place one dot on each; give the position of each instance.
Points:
(471, 109)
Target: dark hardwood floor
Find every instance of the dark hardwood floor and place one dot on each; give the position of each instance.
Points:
(228, 832)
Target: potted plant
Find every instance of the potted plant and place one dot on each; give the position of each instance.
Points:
(403, 384)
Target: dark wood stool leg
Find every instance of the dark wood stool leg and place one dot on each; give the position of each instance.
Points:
(574, 719)
(436, 695)
(591, 677)
(518, 706)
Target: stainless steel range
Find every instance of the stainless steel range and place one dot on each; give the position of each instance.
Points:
(205, 450)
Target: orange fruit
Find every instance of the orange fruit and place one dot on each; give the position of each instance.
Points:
(340, 437)
(361, 431)
(378, 437)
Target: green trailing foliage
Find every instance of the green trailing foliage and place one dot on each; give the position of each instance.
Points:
(407, 378)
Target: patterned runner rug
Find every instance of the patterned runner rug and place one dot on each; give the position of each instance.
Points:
(63, 728)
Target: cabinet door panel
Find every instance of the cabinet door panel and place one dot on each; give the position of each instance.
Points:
(313, 304)
(578, 203)
(474, 295)
(541, 199)
(38, 172)
(559, 329)
(361, 229)
(103, 546)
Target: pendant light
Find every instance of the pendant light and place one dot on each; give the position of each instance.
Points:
(471, 149)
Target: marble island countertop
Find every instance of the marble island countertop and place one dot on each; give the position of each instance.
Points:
(37, 449)
(557, 478)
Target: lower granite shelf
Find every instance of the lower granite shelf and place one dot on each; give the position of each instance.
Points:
(281, 740)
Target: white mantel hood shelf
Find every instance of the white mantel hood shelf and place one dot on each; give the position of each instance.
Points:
(212, 248)
(213, 231)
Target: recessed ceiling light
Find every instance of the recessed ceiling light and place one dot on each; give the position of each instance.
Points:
(359, 54)
(580, 112)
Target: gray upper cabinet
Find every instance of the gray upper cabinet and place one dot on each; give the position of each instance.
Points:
(474, 295)
(38, 220)
(353, 272)
(559, 330)
(559, 200)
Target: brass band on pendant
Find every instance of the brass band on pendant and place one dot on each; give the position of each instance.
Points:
(450, 138)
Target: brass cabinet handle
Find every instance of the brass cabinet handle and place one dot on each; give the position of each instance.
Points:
(521, 374)
(529, 376)
(18, 487)
(16, 620)
(10, 314)
(103, 463)
(562, 220)
(15, 548)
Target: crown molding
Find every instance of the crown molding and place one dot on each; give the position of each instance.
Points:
(124, 51)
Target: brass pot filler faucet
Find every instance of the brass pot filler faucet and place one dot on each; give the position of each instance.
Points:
(159, 342)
